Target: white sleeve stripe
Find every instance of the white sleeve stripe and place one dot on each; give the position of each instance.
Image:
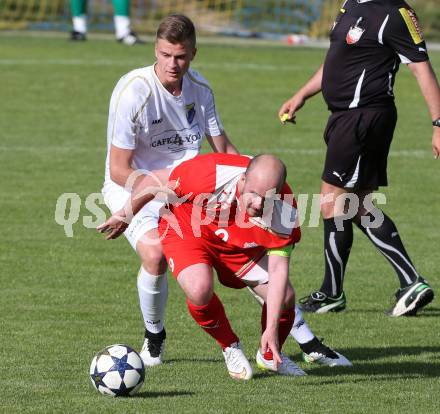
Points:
(122, 145)
(136, 116)
(404, 59)
(119, 99)
(382, 28)
(193, 79)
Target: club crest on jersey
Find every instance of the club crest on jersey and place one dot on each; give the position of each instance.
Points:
(190, 112)
(355, 33)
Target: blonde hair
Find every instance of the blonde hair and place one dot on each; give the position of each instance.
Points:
(177, 28)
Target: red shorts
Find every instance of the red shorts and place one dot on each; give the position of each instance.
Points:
(231, 263)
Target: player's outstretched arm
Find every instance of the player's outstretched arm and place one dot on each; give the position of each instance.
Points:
(430, 89)
(147, 185)
(115, 225)
(290, 107)
(278, 268)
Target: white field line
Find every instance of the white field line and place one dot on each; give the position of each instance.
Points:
(216, 40)
(288, 151)
(232, 66)
(316, 152)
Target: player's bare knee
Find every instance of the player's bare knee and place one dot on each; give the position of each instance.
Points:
(153, 260)
(158, 267)
(200, 295)
(328, 209)
(198, 287)
(332, 200)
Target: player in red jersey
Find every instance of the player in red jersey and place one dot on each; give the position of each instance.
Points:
(237, 216)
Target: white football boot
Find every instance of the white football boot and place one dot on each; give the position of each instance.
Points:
(316, 352)
(237, 363)
(321, 358)
(412, 298)
(153, 349)
(287, 366)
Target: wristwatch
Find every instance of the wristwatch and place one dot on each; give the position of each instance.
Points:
(436, 122)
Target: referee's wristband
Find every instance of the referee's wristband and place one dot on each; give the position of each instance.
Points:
(436, 122)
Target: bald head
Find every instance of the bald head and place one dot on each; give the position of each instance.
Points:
(263, 178)
(268, 170)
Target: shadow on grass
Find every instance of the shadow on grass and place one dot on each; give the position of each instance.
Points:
(390, 369)
(369, 353)
(364, 364)
(422, 313)
(146, 394)
(429, 312)
(386, 371)
(261, 374)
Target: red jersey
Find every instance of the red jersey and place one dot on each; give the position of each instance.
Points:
(207, 188)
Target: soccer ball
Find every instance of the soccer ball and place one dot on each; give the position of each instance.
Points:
(117, 370)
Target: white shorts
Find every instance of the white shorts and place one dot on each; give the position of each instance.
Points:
(145, 220)
(259, 274)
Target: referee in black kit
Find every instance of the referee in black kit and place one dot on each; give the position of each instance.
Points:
(368, 41)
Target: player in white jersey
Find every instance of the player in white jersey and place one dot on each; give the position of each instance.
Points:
(158, 117)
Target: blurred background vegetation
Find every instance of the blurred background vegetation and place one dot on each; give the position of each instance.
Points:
(247, 18)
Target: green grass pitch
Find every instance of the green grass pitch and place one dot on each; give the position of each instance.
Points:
(62, 299)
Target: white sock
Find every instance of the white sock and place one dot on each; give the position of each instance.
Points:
(122, 26)
(80, 23)
(300, 330)
(153, 294)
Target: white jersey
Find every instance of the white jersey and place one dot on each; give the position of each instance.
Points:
(162, 129)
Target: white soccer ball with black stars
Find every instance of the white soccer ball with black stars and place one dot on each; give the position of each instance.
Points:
(117, 371)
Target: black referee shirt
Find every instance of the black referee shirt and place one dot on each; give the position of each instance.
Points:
(368, 41)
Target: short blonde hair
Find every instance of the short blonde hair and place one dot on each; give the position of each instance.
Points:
(177, 28)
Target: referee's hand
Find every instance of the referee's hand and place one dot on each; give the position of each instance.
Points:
(287, 112)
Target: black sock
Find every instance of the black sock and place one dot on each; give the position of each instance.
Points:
(315, 345)
(386, 238)
(338, 238)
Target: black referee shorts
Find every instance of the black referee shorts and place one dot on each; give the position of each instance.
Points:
(358, 142)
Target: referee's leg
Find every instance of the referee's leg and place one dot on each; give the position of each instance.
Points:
(338, 238)
(414, 291)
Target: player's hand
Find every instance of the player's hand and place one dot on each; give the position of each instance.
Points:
(269, 341)
(115, 225)
(287, 112)
(436, 142)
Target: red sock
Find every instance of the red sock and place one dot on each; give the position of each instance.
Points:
(212, 319)
(287, 318)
